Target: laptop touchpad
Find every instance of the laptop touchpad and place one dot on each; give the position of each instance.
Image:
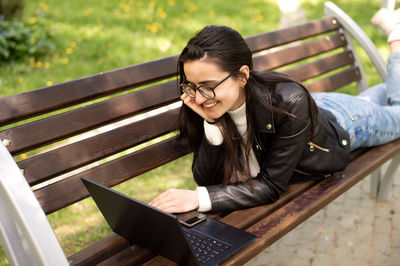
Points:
(209, 226)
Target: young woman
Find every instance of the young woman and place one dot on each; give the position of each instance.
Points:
(252, 131)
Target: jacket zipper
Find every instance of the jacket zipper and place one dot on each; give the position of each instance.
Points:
(313, 146)
(305, 173)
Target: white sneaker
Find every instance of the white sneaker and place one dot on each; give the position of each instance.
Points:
(386, 20)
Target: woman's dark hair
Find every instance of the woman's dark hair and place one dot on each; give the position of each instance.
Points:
(227, 48)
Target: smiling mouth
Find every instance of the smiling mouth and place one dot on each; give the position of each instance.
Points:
(209, 105)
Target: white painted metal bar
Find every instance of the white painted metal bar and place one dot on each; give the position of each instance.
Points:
(375, 180)
(385, 185)
(25, 233)
(388, 4)
(331, 10)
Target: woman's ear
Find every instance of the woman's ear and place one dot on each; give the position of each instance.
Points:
(246, 71)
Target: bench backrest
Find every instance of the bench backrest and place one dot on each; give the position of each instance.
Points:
(44, 124)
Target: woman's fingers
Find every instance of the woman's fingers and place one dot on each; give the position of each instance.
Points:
(176, 200)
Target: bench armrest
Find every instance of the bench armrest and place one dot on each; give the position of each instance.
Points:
(331, 10)
(25, 232)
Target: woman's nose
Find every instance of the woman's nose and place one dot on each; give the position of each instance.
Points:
(200, 98)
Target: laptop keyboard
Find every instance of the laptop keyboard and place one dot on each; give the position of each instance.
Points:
(206, 248)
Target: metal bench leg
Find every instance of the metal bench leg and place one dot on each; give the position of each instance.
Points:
(384, 192)
(375, 182)
(389, 4)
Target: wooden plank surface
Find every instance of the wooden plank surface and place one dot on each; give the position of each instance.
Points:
(99, 251)
(275, 38)
(336, 81)
(298, 52)
(27, 104)
(67, 158)
(70, 190)
(321, 66)
(241, 219)
(48, 130)
(24, 105)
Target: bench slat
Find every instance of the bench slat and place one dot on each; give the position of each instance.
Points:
(241, 219)
(299, 52)
(99, 251)
(335, 81)
(70, 190)
(67, 158)
(48, 130)
(321, 66)
(62, 95)
(66, 94)
(133, 255)
(271, 39)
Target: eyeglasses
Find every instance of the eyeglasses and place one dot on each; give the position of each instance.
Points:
(206, 91)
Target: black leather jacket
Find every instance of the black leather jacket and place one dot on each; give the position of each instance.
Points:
(282, 145)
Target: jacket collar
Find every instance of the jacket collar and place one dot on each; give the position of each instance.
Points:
(263, 118)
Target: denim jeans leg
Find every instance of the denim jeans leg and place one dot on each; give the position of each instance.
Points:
(393, 79)
(376, 94)
(373, 117)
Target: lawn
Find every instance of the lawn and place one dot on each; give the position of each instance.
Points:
(96, 36)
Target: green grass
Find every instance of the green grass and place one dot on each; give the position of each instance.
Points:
(96, 36)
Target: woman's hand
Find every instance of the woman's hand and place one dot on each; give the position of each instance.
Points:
(190, 102)
(176, 200)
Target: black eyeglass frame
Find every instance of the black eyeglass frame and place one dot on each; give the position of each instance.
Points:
(184, 85)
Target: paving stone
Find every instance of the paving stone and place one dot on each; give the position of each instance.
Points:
(355, 192)
(329, 228)
(342, 256)
(380, 259)
(383, 210)
(396, 238)
(300, 262)
(317, 217)
(284, 256)
(362, 250)
(395, 257)
(366, 215)
(305, 253)
(345, 238)
(322, 259)
(396, 220)
(310, 231)
(382, 226)
(349, 221)
(325, 245)
(364, 231)
(334, 211)
(273, 247)
(381, 243)
(292, 238)
(369, 203)
(360, 262)
(266, 257)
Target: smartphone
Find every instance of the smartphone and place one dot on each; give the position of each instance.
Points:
(191, 218)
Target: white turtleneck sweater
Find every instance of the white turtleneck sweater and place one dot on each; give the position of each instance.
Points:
(214, 136)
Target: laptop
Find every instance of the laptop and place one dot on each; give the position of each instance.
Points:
(209, 242)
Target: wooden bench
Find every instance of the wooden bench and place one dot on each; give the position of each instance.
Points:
(319, 53)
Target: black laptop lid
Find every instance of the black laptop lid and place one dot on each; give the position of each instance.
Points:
(142, 224)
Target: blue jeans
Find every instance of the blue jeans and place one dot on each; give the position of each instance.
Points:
(372, 117)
